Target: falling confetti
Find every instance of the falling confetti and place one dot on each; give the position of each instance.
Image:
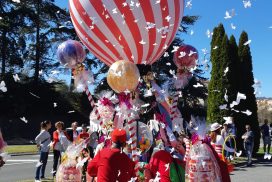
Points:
(3, 87)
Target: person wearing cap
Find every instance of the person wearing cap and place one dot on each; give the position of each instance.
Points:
(112, 164)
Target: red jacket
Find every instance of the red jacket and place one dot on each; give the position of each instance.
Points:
(110, 165)
(56, 137)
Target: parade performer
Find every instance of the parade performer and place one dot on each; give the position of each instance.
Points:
(167, 165)
(111, 164)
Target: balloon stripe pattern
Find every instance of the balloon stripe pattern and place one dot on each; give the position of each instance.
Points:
(138, 31)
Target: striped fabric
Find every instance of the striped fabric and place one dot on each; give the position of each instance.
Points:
(138, 31)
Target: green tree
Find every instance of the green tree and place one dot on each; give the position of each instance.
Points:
(215, 87)
(245, 86)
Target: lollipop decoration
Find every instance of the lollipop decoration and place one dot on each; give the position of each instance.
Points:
(71, 54)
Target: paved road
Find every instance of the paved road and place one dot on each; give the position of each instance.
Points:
(259, 172)
(20, 168)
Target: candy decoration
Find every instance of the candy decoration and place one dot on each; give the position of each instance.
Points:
(71, 53)
(185, 57)
(123, 76)
(135, 31)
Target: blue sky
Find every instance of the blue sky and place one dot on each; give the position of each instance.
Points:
(255, 20)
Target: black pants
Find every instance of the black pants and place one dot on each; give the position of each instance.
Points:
(57, 157)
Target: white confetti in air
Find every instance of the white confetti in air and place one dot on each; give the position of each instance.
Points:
(232, 26)
(247, 4)
(71, 111)
(226, 70)
(142, 42)
(127, 92)
(24, 119)
(55, 104)
(39, 164)
(182, 54)
(166, 54)
(158, 2)
(247, 42)
(16, 1)
(189, 4)
(239, 153)
(191, 53)
(222, 107)
(227, 15)
(16, 78)
(191, 32)
(145, 105)
(168, 64)
(166, 166)
(168, 18)
(215, 47)
(3, 87)
(247, 112)
(175, 48)
(198, 85)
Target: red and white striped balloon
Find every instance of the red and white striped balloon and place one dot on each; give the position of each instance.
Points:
(139, 31)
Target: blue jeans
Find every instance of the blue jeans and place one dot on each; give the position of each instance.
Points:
(249, 149)
(41, 168)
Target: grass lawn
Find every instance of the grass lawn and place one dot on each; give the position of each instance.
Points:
(11, 149)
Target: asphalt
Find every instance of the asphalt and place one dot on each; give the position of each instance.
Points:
(22, 167)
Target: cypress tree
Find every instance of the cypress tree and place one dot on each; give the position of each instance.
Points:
(245, 86)
(215, 88)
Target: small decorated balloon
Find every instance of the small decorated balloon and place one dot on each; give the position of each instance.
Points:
(186, 57)
(71, 53)
(123, 76)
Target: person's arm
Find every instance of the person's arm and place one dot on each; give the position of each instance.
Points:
(93, 165)
(39, 137)
(222, 142)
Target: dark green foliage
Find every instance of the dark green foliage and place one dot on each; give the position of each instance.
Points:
(19, 102)
(245, 86)
(215, 87)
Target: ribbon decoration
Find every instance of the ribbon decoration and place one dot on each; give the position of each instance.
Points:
(125, 98)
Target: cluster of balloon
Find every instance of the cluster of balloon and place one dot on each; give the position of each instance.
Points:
(185, 59)
(123, 76)
(138, 32)
(71, 53)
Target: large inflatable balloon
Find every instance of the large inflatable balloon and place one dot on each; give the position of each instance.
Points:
(186, 57)
(70, 53)
(137, 31)
(122, 76)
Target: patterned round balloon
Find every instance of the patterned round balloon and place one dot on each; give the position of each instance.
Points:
(186, 57)
(70, 53)
(122, 76)
(137, 31)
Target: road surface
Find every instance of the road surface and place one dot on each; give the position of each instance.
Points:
(20, 168)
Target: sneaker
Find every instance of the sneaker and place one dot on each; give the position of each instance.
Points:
(36, 180)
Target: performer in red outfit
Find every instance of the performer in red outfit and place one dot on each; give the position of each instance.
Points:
(111, 164)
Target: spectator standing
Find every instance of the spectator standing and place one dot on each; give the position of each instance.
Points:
(73, 134)
(266, 137)
(43, 140)
(248, 138)
(84, 134)
(60, 144)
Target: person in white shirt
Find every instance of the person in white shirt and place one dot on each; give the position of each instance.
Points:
(43, 140)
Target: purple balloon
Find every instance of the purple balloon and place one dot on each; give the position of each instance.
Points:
(70, 53)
